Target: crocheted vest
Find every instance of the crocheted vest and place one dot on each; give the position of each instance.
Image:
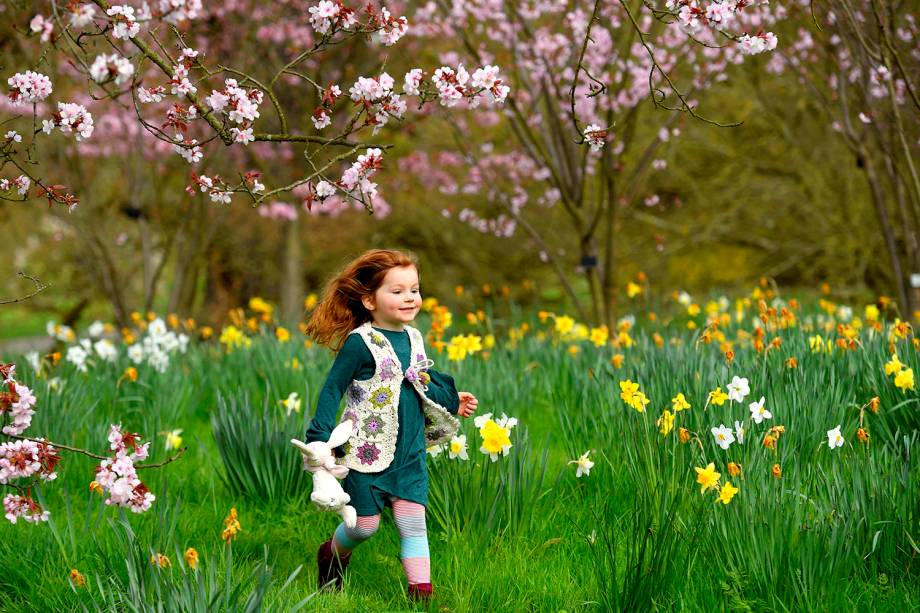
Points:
(372, 404)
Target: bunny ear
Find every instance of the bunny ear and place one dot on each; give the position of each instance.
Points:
(341, 434)
(300, 445)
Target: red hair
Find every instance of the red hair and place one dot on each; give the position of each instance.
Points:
(340, 310)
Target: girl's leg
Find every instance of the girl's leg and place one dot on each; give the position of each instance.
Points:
(413, 535)
(333, 555)
(345, 539)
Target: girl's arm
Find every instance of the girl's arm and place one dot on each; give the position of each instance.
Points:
(443, 390)
(345, 369)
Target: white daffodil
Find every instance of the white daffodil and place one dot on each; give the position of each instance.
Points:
(173, 440)
(738, 389)
(434, 450)
(291, 403)
(723, 436)
(758, 412)
(458, 448)
(739, 432)
(834, 439)
(584, 465)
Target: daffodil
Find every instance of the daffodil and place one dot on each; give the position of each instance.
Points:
(584, 465)
(458, 448)
(665, 423)
(723, 436)
(738, 389)
(599, 336)
(435, 450)
(496, 434)
(628, 389)
(717, 397)
(291, 403)
(758, 412)
(727, 492)
(231, 526)
(707, 477)
(739, 432)
(834, 438)
(564, 324)
(282, 334)
(191, 558)
(904, 380)
(679, 403)
(173, 440)
(893, 366)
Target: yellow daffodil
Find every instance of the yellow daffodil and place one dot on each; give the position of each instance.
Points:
(893, 366)
(707, 477)
(717, 397)
(77, 578)
(158, 559)
(665, 423)
(282, 334)
(231, 526)
(679, 403)
(633, 289)
(727, 492)
(599, 336)
(904, 380)
(564, 324)
(173, 440)
(191, 558)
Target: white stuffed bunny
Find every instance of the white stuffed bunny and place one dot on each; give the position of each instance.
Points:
(318, 458)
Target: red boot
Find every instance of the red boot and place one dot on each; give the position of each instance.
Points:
(421, 591)
(330, 566)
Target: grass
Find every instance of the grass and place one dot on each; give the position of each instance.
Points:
(838, 530)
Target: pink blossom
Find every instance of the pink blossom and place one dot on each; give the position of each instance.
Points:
(29, 87)
(45, 26)
(17, 506)
(81, 15)
(124, 19)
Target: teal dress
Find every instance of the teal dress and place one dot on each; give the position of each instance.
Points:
(407, 475)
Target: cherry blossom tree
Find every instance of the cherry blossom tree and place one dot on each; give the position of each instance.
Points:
(859, 61)
(599, 92)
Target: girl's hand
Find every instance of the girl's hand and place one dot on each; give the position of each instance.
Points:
(468, 404)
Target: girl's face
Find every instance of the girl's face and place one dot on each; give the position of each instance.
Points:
(398, 299)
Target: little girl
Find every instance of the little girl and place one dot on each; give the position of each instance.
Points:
(398, 407)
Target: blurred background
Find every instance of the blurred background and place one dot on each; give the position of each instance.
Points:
(806, 182)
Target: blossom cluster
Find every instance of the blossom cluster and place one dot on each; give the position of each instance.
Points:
(21, 184)
(327, 17)
(454, 85)
(17, 507)
(175, 11)
(70, 117)
(124, 21)
(16, 399)
(239, 105)
(378, 98)
(111, 67)
(28, 87)
(81, 15)
(117, 476)
(23, 459)
(693, 16)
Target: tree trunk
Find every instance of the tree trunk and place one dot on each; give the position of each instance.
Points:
(292, 281)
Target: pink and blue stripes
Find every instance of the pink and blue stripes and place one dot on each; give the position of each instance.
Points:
(413, 537)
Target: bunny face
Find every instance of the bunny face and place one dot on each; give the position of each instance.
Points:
(316, 453)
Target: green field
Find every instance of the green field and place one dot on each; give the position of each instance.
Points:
(838, 530)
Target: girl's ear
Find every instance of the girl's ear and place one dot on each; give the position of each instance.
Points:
(368, 302)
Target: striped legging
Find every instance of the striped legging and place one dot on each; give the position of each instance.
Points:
(413, 537)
